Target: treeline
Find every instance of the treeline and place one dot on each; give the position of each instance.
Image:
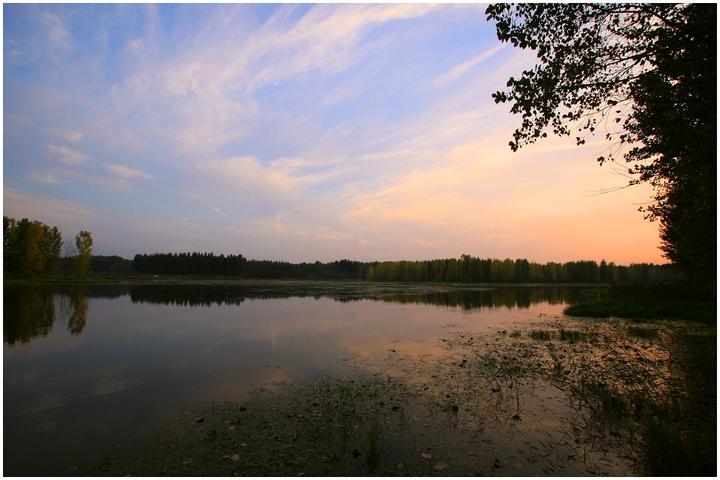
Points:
(474, 269)
(31, 248)
(337, 270)
(236, 265)
(463, 269)
(189, 264)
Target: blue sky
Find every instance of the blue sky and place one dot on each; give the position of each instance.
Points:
(299, 132)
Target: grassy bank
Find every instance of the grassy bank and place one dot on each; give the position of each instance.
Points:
(683, 302)
(680, 435)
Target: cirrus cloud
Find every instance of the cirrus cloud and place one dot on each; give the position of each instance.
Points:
(128, 173)
(67, 155)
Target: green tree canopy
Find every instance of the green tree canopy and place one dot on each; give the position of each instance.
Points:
(30, 247)
(83, 243)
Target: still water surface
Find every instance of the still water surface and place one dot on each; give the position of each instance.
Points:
(86, 369)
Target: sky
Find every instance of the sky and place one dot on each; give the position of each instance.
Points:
(296, 132)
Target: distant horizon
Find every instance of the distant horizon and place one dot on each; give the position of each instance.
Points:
(457, 257)
(296, 132)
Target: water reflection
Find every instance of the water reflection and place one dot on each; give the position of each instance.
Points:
(31, 311)
(27, 312)
(506, 297)
(492, 404)
(77, 310)
(104, 365)
(465, 297)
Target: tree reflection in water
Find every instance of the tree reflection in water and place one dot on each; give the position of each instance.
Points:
(27, 312)
(30, 312)
(77, 311)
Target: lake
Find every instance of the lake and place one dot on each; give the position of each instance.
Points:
(461, 379)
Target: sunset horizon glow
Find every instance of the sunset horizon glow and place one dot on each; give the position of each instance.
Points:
(298, 133)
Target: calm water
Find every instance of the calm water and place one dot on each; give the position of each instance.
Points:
(86, 369)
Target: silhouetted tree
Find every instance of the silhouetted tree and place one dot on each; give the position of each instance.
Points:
(647, 69)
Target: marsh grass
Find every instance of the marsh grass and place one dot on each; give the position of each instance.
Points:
(623, 406)
(331, 426)
(642, 332)
(679, 432)
(657, 396)
(695, 303)
(540, 334)
(680, 438)
(374, 454)
(704, 312)
(576, 335)
(610, 404)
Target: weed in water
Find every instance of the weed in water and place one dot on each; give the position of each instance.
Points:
(665, 451)
(575, 335)
(613, 406)
(642, 332)
(540, 334)
(373, 450)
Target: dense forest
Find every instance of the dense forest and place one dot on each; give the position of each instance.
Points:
(463, 269)
(237, 265)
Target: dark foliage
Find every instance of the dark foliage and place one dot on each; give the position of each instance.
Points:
(237, 265)
(645, 302)
(30, 312)
(647, 73)
(101, 264)
(474, 269)
(81, 263)
(189, 264)
(30, 248)
(27, 313)
(463, 269)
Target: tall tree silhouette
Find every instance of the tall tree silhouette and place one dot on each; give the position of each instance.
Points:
(648, 71)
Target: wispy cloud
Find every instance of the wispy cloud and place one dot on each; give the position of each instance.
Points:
(52, 210)
(17, 120)
(201, 200)
(300, 131)
(212, 91)
(43, 177)
(128, 173)
(67, 135)
(68, 156)
(249, 173)
(56, 31)
(135, 45)
(463, 68)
